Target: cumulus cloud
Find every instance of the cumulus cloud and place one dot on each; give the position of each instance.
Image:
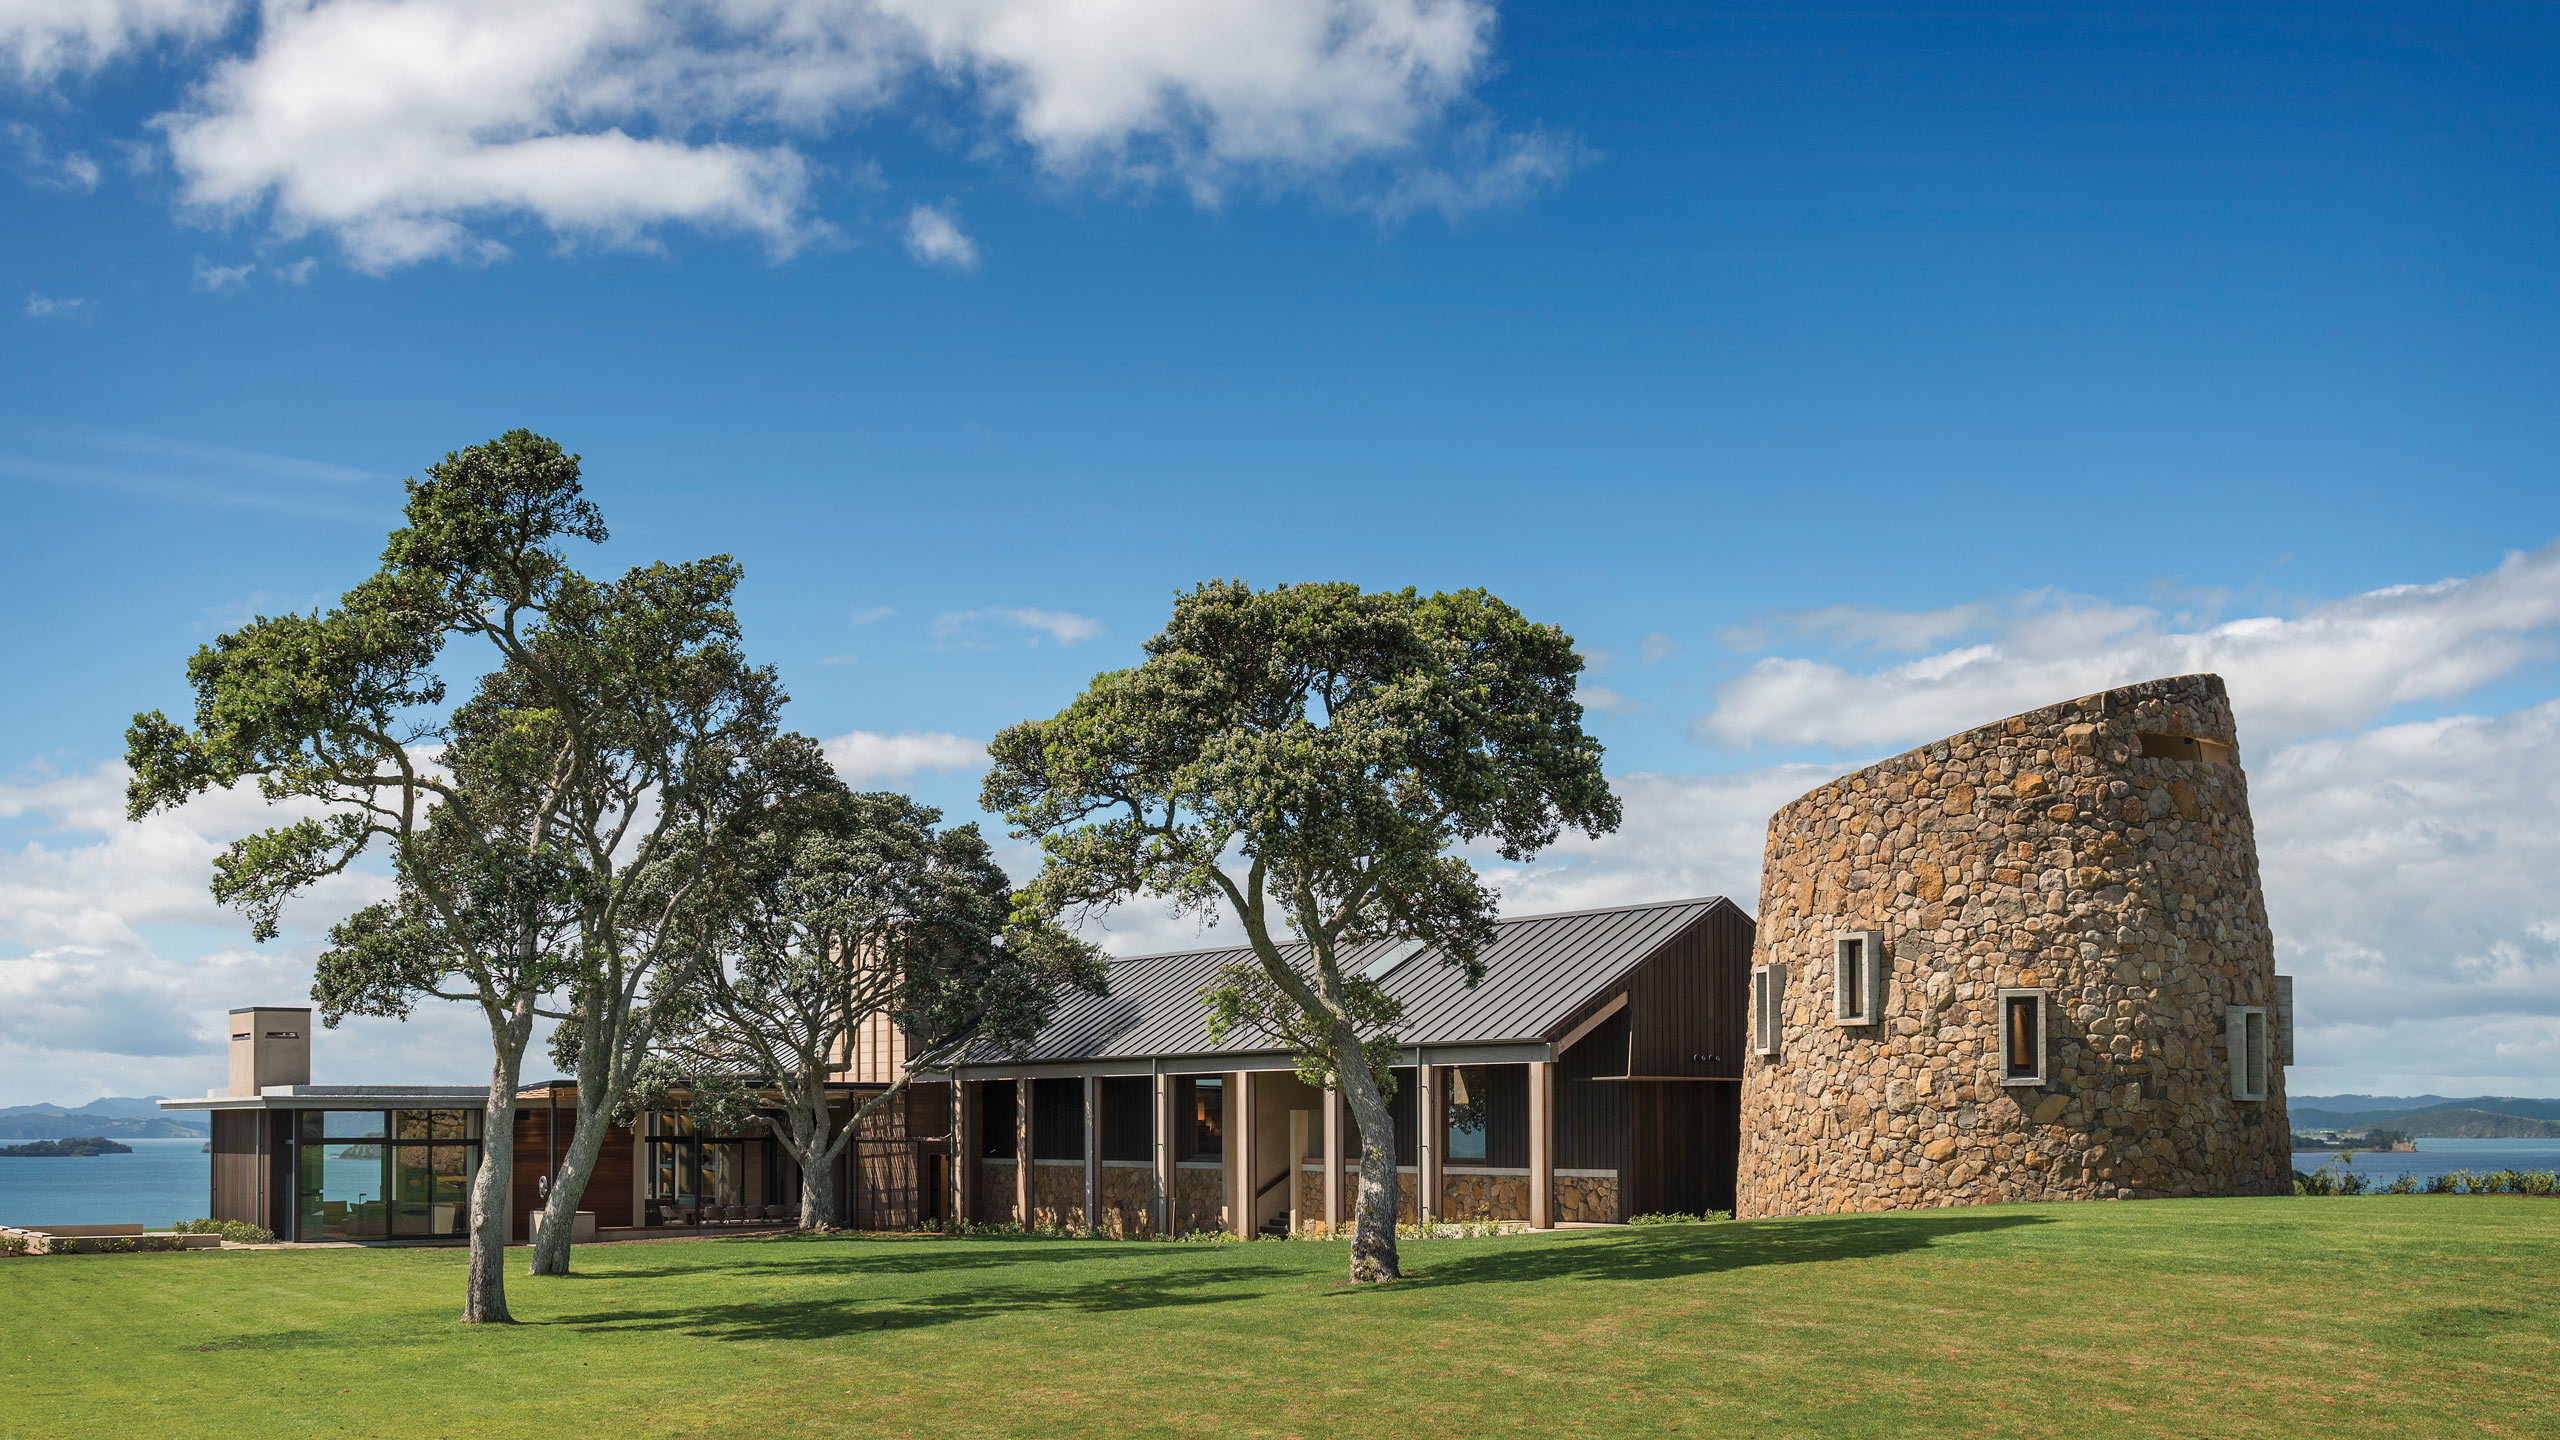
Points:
(2407, 873)
(958, 627)
(44, 39)
(212, 277)
(934, 238)
(418, 129)
(2346, 662)
(116, 966)
(864, 757)
(36, 160)
(55, 307)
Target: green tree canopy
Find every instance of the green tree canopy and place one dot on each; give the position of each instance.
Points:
(1308, 758)
(838, 911)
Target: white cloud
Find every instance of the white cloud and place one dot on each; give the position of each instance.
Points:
(1605, 701)
(934, 238)
(870, 616)
(863, 757)
(71, 170)
(955, 627)
(396, 125)
(117, 966)
(297, 273)
(418, 129)
(212, 277)
(43, 39)
(2343, 663)
(1656, 648)
(55, 307)
(2407, 871)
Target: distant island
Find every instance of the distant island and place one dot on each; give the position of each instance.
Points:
(2430, 1117)
(77, 1145)
(123, 1117)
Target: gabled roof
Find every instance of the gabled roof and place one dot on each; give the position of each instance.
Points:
(1539, 970)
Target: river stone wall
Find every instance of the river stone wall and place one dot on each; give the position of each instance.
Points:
(2046, 851)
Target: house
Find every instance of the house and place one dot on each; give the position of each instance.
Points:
(1594, 1073)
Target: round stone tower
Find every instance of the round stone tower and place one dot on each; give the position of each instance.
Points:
(2028, 962)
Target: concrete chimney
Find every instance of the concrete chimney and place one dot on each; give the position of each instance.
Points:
(270, 1045)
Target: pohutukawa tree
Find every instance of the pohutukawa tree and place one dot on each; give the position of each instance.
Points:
(1306, 758)
(842, 911)
(524, 828)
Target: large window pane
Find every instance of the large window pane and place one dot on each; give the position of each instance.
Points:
(342, 1193)
(1128, 1127)
(1466, 1114)
(351, 1124)
(430, 1186)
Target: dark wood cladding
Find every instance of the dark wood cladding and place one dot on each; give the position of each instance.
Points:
(1685, 1140)
(1654, 1091)
(609, 1190)
(1690, 1001)
(252, 1169)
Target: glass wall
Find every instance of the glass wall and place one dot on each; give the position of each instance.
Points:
(698, 1179)
(385, 1174)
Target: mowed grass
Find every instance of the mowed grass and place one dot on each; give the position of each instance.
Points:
(2371, 1316)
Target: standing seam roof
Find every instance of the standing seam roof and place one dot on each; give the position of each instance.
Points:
(1537, 972)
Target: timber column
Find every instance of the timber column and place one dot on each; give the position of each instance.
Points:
(1093, 1152)
(1022, 1152)
(1164, 1197)
(1542, 1144)
(1426, 1135)
(1241, 1176)
(964, 1149)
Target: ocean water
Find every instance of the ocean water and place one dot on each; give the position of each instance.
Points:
(2435, 1157)
(160, 1182)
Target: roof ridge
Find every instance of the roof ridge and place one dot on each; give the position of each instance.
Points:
(1707, 900)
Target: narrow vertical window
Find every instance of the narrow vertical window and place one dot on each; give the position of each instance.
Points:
(2246, 1033)
(1768, 998)
(1857, 977)
(2023, 1043)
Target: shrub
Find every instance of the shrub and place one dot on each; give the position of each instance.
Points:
(115, 1244)
(13, 1244)
(2332, 1178)
(238, 1232)
(1674, 1217)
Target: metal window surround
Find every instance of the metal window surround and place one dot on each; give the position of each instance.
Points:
(1539, 971)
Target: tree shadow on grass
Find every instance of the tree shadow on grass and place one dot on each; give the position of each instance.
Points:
(1228, 1276)
(1657, 1253)
(848, 1256)
(802, 1318)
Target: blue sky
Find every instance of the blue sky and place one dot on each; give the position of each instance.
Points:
(1840, 378)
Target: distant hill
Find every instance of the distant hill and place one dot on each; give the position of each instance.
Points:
(119, 1117)
(2461, 1122)
(2359, 1112)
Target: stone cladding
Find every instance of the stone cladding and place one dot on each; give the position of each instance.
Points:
(1128, 1198)
(995, 1198)
(1199, 1198)
(2046, 851)
(1057, 1194)
(1483, 1195)
(1590, 1197)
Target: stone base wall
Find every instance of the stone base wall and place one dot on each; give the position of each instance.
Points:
(1466, 1195)
(1199, 1199)
(2100, 850)
(1128, 1199)
(1587, 1200)
(1057, 1194)
(994, 1202)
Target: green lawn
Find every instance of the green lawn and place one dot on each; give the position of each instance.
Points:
(2373, 1316)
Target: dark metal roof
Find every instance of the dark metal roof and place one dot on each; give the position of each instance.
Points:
(1538, 971)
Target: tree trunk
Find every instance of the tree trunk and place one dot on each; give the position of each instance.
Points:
(808, 1129)
(1373, 1222)
(560, 1211)
(484, 1297)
